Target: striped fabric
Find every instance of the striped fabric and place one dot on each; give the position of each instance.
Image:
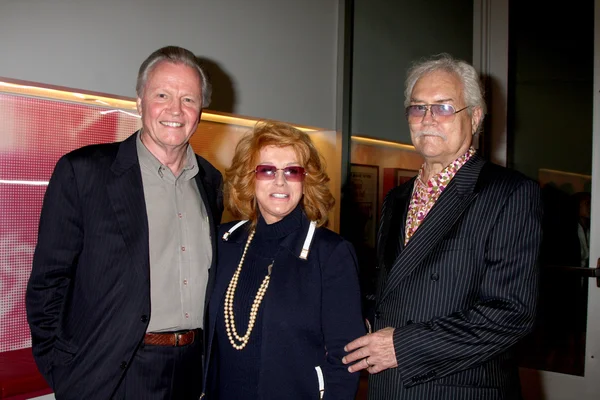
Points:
(463, 290)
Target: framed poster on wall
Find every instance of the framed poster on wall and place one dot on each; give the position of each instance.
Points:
(365, 192)
(393, 177)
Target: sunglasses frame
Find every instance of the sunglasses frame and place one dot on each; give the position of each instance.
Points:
(262, 175)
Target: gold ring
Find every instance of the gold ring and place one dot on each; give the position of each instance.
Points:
(367, 361)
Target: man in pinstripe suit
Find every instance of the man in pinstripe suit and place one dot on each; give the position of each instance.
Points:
(457, 252)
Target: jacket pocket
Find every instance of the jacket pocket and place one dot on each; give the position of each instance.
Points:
(321, 381)
(465, 392)
(63, 352)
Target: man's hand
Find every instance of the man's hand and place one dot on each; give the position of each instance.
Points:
(374, 350)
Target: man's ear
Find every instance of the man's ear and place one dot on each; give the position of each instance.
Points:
(138, 105)
(476, 118)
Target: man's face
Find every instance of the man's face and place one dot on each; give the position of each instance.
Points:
(170, 106)
(444, 140)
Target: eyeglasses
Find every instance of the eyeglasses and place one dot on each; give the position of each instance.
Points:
(291, 174)
(439, 112)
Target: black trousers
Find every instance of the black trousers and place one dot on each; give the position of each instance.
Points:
(163, 373)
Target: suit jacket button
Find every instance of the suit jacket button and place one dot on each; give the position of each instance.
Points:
(410, 321)
(144, 318)
(435, 276)
(377, 314)
(123, 365)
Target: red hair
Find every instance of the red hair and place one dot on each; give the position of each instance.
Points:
(239, 192)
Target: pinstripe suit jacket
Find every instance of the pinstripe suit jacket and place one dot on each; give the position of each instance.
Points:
(463, 290)
(88, 297)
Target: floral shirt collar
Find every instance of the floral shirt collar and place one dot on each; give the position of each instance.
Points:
(425, 194)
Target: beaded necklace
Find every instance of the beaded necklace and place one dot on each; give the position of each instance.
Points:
(239, 342)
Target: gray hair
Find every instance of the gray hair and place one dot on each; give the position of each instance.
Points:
(174, 55)
(472, 88)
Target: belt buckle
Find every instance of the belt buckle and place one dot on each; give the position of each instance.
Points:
(177, 338)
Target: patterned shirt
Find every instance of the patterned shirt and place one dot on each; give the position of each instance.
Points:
(425, 195)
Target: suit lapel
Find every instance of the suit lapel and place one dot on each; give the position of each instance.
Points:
(126, 194)
(208, 204)
(390, 235)
(227, 267)
(451, 204)
(393, 213)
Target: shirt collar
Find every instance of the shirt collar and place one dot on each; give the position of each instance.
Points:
(150, 162)
(440, 180)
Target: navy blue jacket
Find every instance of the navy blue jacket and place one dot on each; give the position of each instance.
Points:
(311, 311)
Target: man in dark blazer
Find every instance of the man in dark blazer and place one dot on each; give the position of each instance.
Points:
(115, 301)
(457, 253)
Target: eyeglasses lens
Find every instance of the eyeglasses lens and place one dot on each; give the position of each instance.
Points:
(416, 112)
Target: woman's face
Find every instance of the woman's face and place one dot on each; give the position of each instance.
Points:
(279, 196)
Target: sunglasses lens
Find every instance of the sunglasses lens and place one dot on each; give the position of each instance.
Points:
(268, 172)
(293, 174)
(265, 172)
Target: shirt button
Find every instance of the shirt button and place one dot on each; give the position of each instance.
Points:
(185, 282)
(123, 365)
(435, 276)
(144, 318)
(182, 248)
(179, 215)
(187, 315)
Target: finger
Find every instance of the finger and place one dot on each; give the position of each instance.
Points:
(359, 366)
(356, 355)
(357, 343)
(378, 366)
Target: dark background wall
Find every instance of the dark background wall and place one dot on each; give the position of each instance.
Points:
(388, 36)
(551, 87)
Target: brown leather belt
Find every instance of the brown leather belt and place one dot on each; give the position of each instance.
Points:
(173, 339)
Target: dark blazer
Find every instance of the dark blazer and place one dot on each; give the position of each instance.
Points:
(463, 290)
(88, 297)
(311, 311)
